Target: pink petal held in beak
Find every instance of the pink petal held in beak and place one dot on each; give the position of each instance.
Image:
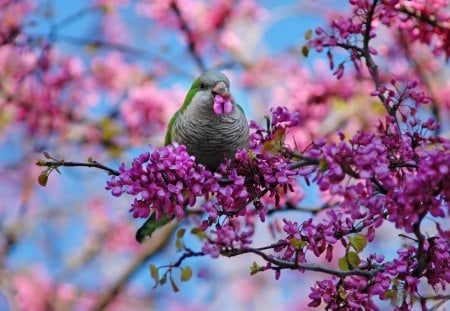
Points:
(227, 106)
(217, 107)
(222, 105)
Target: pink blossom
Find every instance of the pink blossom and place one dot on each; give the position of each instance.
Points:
(222, 105)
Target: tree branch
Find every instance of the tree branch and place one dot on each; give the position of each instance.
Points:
(373, 67)
(305, 161)
(247, 202)
(282, 264)
(185, 256)
(93, 164)
(430, 20)
(190, 38)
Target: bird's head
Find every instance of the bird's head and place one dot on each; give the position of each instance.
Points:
(212, 89)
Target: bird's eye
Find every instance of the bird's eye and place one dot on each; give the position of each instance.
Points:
(202, 86)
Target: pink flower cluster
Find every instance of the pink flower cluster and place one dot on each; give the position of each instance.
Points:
(12, 14)
(427, 22)
(145, 107)
(50, 93)
(422, 21)
(229, 236)
(354, 293)
(398, 97)
(438, 267)
(41, 89)
(397, 280)
(393, 174)
(324, 103)
(163, 182)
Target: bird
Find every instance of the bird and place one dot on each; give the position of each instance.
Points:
(210, 123)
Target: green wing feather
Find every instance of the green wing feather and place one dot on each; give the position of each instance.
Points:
(240, 108)
(150, 226)
(191, 93)
(168, 138)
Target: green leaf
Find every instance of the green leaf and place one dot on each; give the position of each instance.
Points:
(350, 260)
(186, 274)
(353, 259)
(392, 295)
(179, 241)
(179, 244)
(174, 286)
(150, 226)
(342, 263)
(308, 34)
(163, 280)
(305, 51)
(43, 178)
(180, 233)
(274, 145)
(107, 8)
(298, 244)
(359, 242)
(323, 166)
(199, 233)
(41, 162)
(255, 268)
(154, 273)
(388, 294)
(341, 292)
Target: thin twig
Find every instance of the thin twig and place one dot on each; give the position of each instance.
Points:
(93, 164)
(282, 264)
(305, 161)
(190, 38)
(185, 256)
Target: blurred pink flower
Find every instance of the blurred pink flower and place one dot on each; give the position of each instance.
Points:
(33, 291)
(114, 74)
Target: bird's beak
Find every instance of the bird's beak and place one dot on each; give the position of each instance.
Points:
(222, 89)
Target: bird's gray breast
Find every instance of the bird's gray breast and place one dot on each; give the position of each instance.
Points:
(209, 137)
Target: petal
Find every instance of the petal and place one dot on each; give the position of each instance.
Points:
(217, 107)
(227, 107)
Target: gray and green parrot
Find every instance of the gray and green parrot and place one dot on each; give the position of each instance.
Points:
(211, 126)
